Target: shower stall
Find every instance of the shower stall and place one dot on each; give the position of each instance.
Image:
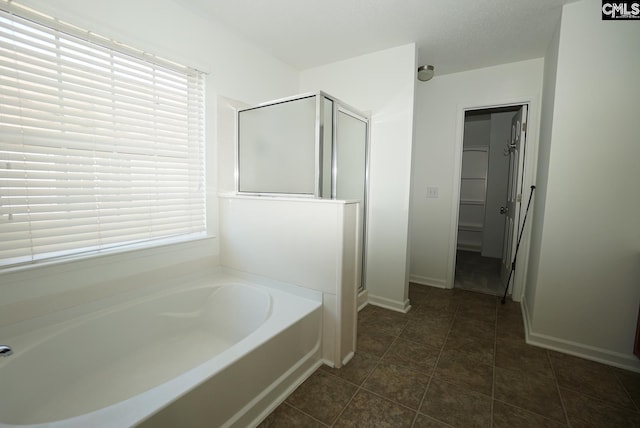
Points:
(309, 146)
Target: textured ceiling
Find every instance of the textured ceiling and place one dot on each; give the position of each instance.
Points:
(452, 35)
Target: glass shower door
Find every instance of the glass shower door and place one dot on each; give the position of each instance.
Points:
(350, 165)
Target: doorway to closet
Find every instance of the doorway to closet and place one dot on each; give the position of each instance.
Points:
(490, 192)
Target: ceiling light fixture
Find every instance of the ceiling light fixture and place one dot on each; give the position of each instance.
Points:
(425, 72)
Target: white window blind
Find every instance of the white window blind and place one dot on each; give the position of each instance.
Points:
(100, 147)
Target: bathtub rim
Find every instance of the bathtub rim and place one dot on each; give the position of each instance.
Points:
(192, 280)
(128, 411)
(50, 329)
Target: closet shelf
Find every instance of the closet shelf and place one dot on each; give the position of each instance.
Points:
(470, 227)
(471, 202)
(469, 246)
(473, 185)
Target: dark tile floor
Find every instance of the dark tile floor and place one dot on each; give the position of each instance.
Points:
(458, 359)
(477, 273)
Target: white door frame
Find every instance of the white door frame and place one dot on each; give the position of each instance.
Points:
(529, 175)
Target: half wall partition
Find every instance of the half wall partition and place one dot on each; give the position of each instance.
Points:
(310, 146)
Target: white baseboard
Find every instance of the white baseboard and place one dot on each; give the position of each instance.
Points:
(525, 317)
(363, 299)
(394, 305)
(348, 358)
(423, 280)
(604, 356)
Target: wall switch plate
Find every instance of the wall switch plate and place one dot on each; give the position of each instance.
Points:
(432, 192)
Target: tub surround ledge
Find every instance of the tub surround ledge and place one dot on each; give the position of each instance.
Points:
(272, 321)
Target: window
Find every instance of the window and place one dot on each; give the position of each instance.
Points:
(101, 146)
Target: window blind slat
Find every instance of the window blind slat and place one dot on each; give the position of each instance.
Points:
(49, 155)
(99, 148)
(119, 148)
(90, 52)
(33, 87)
(88, 243)
(103, 116)
(82, 66)
(107, 209)
(133, 226)
(54, 225)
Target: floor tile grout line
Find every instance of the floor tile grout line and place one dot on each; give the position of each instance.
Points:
(435, 366)
(625, 389)
(357, 386)
(467, 389)
(457, 314)
(607, 403)
(377, 394)
(361, 385)
(378, 363)
(424, 394)
(555, 379)
(493, 366)
(341, 412)
(306, 414)
(418, 414)
(381, 358)
(531, 412)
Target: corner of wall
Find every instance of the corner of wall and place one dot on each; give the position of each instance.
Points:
(582, 294)
(542, 173)
(392, 73)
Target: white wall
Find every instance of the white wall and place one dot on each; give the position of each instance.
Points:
(588, 257)
(542, 174)
(382, 83)
(165, 29)
(438, 134)
(311, 243)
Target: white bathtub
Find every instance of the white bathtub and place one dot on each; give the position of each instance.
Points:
(215, 354)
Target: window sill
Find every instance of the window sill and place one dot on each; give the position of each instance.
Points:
(108, 256)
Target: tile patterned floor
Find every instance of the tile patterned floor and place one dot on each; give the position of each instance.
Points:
(477, 273)
(458, 359)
